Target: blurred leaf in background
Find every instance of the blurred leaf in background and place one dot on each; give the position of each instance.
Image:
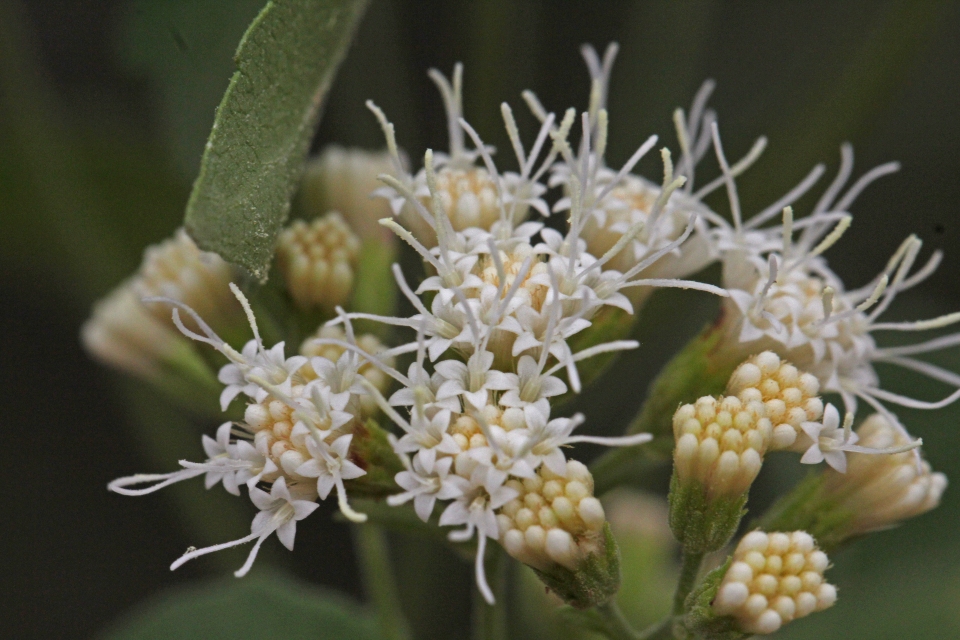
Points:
(263, 606)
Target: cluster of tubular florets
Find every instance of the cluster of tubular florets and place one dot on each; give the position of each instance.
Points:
(790, 397)
(721, 443)
(774, 578)
(554, 518)
(318, 261)
(139, 337)
(882, 490)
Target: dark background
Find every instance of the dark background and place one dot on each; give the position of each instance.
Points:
(104, 110)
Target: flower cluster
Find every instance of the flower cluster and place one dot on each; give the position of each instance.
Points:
(139, 338)
(504, 314)
(789, 397)
(721, 443)
(554, 519)
(774, 578)
(301, 416)
(318, 261)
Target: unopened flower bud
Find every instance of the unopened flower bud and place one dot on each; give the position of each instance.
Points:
(773, 578)
(558, 527)
(789, 396)
(876, 492)
(177, 269)
(318, 261)
(343, 180)
(720, 444)
(882, 490)
(124, 334)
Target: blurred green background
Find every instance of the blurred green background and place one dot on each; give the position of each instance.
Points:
(104, 110)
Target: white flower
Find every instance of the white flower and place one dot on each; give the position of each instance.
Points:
(426, 488)
(529, 386)
(232, 464)
(249, 368)
(473, 380)
(279, 512)
(831, 440)
(475, 509)
(330, 465)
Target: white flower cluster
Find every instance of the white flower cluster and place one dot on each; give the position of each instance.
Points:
(495, 318)
(783, 296)
(296, 432)
(494, 321)
(774, 578)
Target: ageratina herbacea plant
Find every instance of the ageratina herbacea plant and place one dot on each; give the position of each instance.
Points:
(454, 412)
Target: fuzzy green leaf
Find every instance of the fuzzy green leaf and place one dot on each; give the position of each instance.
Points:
(253, 159)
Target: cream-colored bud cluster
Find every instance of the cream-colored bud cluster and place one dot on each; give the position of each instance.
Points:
(127, 334)
(774, 578)
(367, 342)
(468, 196)
(720, 443)
(342, 179)
(177, 269)
(122, 333)
(318, 261)
(272, 422)
(882, 490)
(554, 519)
(789, 396)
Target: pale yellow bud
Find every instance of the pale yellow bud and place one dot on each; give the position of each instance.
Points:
(555, 520)
(720, 442)
(789, 396)
(882, 490)
(318, 261)
(177, 269)
(773, 579)
(124, 334)
(343, 180)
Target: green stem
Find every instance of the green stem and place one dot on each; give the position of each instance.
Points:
(662, 630)
(689, 571)
(616, 625)
(490, 621)
(371, 542)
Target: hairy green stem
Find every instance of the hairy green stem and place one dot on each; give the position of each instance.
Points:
(662, 630)
(371, 542)
(689, 571)
(490, 621)
(614, 623)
